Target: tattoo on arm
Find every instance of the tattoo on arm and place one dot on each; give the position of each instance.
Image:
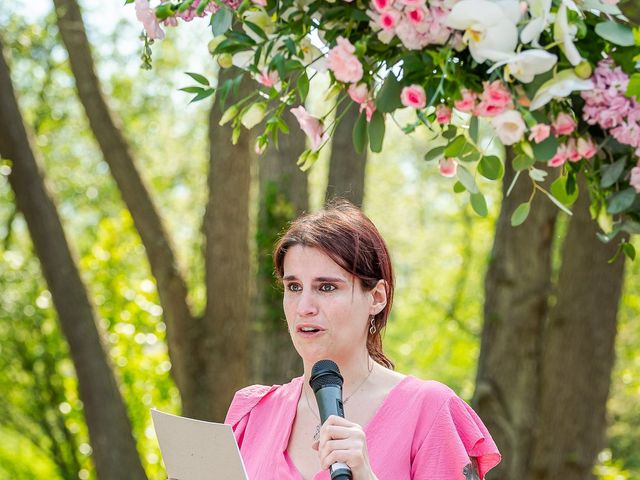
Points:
(471, 470)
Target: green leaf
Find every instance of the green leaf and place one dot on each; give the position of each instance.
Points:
(560, 191)
(434, 153)
(256, 29)
(615, 33)
(522, 162)
(191, 89)
(221, 21)
(360, 133)
(546, 149)
(455, 147)
(633, 88)
(202, 95)
(388, 98)
(473, 129)
(450, 132)
(557, 203)
(611, 172)
(620, 201)
(303, 86)
(520, 214)
(458, 187)
(629, 250)
(491, 167)
(199, 78)
(479, 204)
(467, 179)
(376, 131)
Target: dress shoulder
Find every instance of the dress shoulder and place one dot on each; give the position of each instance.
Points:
(245, 400)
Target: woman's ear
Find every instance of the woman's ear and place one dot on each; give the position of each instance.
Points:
(378, 297)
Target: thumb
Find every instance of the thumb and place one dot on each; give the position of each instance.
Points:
(315, 445)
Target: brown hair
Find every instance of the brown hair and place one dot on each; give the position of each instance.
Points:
(346, 235)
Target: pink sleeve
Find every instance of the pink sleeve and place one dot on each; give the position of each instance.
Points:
(243, 402)
(456, 436)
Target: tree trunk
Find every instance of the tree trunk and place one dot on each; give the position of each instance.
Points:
(347, 167)
(183, 331)
(517, 286)
(283, 196)
(228, 271)
(578, 353)
(114, 449)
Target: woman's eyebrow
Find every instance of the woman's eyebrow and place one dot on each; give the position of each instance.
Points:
(288, 278)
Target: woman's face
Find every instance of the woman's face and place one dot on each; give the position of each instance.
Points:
(326, 308)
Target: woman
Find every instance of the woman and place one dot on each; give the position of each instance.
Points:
(338, 289)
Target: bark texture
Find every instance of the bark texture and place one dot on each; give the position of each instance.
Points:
(183, 329)
(578, 353)
(517, 285)
(283, 196)
(114, 449)
(347, 167)
(228, 270)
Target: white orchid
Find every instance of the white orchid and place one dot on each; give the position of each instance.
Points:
(490, 27)
(560, 86)
(541, 18)
(564, 33)
(525, 65)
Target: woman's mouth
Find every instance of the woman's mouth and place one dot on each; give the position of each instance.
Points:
(309, 330)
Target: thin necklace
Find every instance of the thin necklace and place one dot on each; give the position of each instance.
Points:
(316, 434)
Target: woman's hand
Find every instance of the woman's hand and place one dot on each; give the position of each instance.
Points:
(344, 441)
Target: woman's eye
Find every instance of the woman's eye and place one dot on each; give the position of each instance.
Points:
(327, 287)
(294, 287)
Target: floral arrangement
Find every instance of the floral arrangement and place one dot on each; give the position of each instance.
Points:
(558, 81)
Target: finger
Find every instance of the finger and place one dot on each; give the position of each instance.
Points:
(334, 432)
(350, 457)
(347, 444)
(335, 420)
(315, 445)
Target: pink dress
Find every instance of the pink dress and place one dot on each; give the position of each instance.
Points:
(422, 431)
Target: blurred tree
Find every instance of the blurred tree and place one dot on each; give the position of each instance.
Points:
(115, 453)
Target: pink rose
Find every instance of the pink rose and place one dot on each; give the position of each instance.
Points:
(268, 78)
(495, 99)
(634, 181)
(147, 16)
(468, 102)
(343, 63)
(509, 126)
(443, 114)
(587, 148)
(539, 132)
(413, 96)
(359, 93)
(560, 157)
(448, 167)
(311, 126)
(564, 124)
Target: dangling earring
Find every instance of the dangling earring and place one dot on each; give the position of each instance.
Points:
(372, 328)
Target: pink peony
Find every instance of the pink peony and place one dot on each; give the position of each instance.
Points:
(147, 16)
(509, 126)
(448, 167)
(343, 63)
(495, 99)
(311, 126)
(560, 157)
(443, 114)
(634, 181)
(359, 93)
(413, 96)
(564, 124)
(587, 148)
(539, 132)
(468, 102)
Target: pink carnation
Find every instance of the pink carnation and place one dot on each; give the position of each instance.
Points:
(443, 114)
(587, 148)
(413, 96)
(311, 126)
(635, 177)
(495, 99)
(448, 167)
(561, 156)
(573, 155)
(343, 63)
(564, 124)
(468, 102)
(359, 93)
(539, 132)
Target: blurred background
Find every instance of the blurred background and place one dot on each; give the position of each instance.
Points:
(165, 296)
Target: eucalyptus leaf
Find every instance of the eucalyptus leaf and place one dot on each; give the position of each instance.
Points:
(522, 162)
(360, 133)
(611, 173)
(467, 179)
(376, 130)
(491, 167)
(620, 201)
(221, 21)
(479, 204)
(434, 153)
(520, 214)
(546, 149)
(473, 129)
(388, 99)
(455, 147)
(615, 33)
(458, 187)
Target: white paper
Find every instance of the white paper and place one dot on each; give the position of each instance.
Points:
(197, 450)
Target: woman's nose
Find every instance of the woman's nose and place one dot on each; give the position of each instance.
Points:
(306, 304)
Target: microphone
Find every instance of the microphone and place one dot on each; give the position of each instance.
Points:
(326, 382)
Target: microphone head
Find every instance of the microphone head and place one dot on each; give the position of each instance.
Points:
(325, 372)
